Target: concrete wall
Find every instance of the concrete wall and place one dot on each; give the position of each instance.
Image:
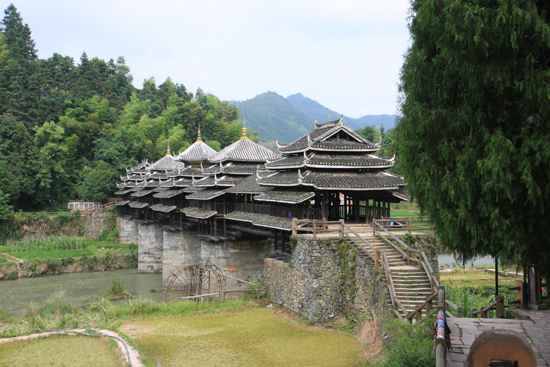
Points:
(239, 259)
(316, 284)
(150, 244)
(127, 230)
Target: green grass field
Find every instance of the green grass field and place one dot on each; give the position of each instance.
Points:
(75, 351)
(257, 337)
(51, 254)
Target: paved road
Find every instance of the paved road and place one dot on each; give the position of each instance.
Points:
(535, 325)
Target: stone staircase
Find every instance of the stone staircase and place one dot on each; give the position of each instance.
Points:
(411, 283)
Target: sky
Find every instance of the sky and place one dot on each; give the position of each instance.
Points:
(345, 54)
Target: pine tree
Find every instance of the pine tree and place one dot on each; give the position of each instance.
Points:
(473, 141)
(19, 87)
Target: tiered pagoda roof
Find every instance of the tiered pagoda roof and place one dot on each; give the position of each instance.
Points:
(330, 157)
(197, 153)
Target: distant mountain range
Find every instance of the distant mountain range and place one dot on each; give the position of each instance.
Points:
(286, 119)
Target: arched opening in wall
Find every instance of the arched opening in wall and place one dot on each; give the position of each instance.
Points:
(501, 348)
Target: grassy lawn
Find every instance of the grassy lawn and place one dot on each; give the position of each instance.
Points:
(477, 278)
(51, 254)
(73, 351)
(257, 337)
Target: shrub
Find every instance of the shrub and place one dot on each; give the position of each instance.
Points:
(409, 345)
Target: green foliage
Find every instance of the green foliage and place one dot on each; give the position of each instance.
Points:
(115, 290)
(58, 303)
(473, 140)
(409, 345)
(370, 133)
(255, 289)
(347, 265)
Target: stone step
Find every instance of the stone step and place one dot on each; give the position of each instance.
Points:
(427, 290)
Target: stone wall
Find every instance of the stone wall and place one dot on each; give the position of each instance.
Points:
(95, 223)
(127, 230)
(179, 248)
(239, 259)
(324, 279)
(150, 244)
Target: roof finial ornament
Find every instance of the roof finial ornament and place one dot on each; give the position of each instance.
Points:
(168, 148)
(341, 121)
(199, 139)
(243, 134)
(300, 177)
(305, 157)
(309, 142)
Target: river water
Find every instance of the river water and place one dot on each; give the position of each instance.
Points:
(448, 260)
(15, 295)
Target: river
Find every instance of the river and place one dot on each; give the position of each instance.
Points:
(15, 295)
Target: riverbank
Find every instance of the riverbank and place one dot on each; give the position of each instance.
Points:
(63, 255)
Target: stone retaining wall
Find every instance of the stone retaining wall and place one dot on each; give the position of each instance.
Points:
(239, 259)
(179, 248)
(323, 281)
(127, 230)
(150, 237)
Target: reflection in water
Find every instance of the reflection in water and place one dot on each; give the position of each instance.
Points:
(15, 295)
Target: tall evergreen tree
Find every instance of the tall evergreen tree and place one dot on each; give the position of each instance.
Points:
(473, 141)
(19, 86)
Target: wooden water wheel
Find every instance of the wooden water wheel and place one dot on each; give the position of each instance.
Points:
(199, 282)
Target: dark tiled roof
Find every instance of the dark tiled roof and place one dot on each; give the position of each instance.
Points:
(141, 193)
(237, 168)
(185, 172)
(122, 192)
(244, 150)
(192, 189)
(168, 194)
(326, 160)
(191, 171)
(330, 132)
(122, 202)
(283, 178)
(224, 180)
(328, 180)
(335, 180)
(152, 183)
(285, 196)
(137, 205)
(207, 194)
(163, 208)
(401, 196)
(198, 213)
(167, 163)
(159, 189)
(183, 182)
(197, 152)
(261, 220)
(158, 176)
(348, 160)
(248, 186)
(349, 145)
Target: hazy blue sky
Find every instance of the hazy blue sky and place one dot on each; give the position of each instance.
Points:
(345, 54)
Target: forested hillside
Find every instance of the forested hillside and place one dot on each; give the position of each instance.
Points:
(274, 118)
(68, 130)
(286, 119)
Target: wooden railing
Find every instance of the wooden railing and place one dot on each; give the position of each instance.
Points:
(485, 311)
